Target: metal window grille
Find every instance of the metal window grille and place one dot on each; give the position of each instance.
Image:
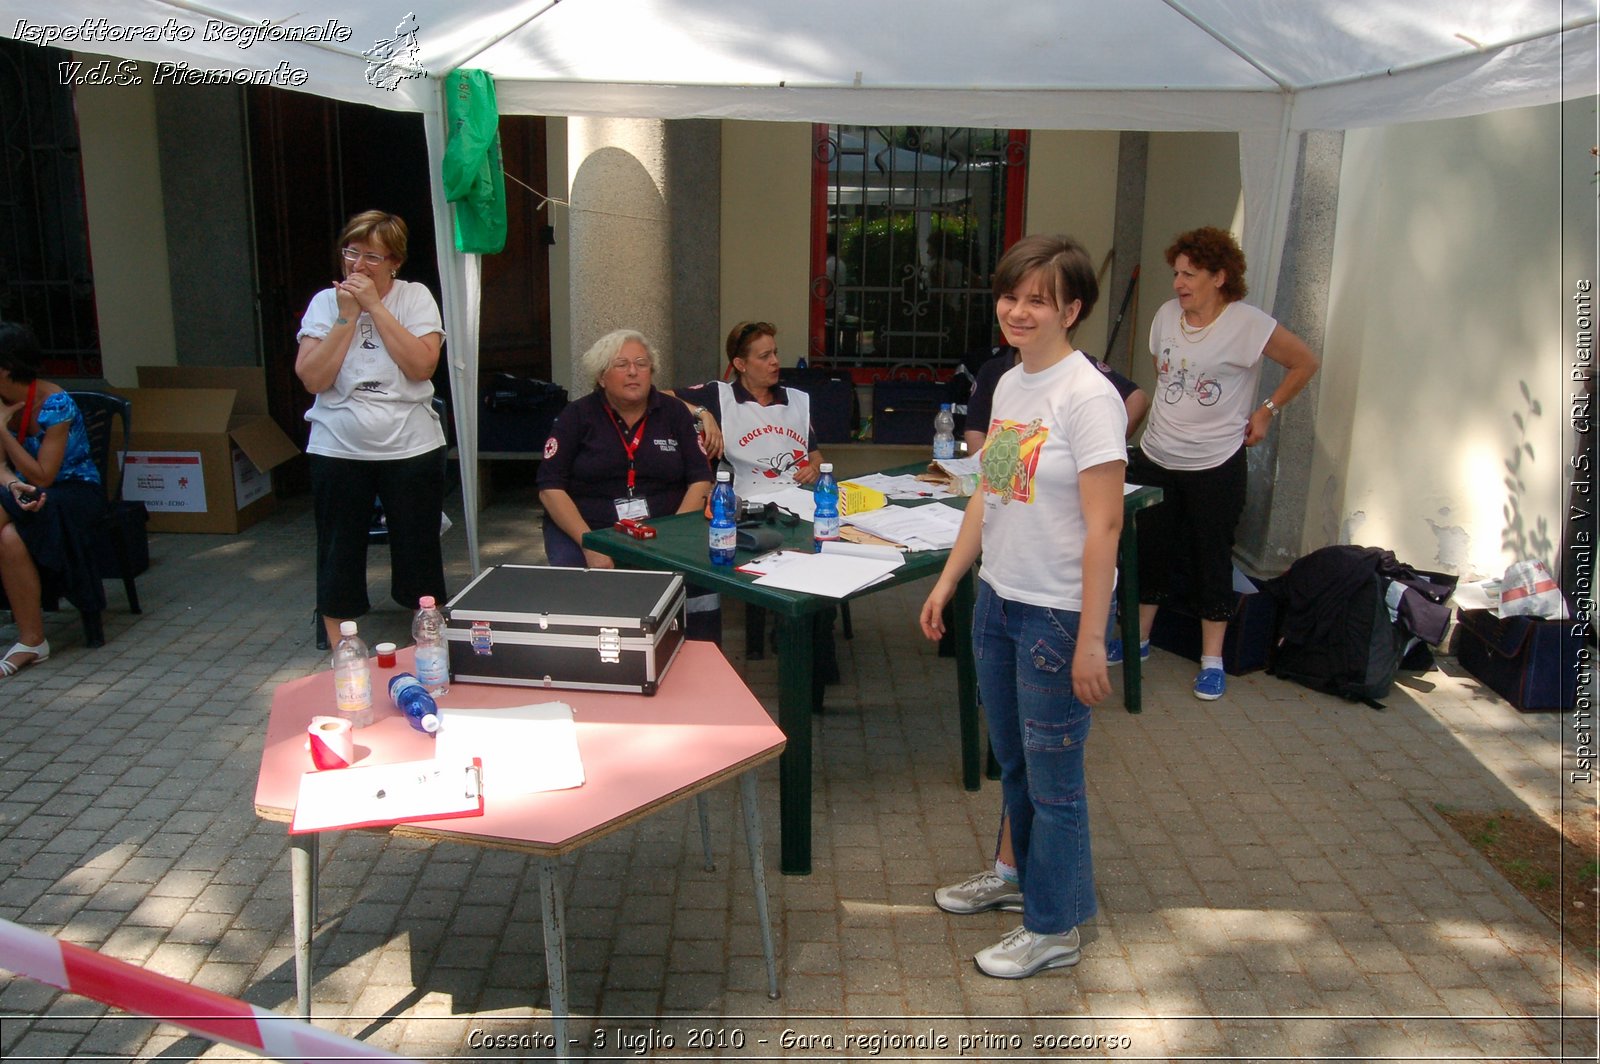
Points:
(915, 222)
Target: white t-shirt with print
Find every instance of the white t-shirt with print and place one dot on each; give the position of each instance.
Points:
(1205, 386)
(1045, 429)
(373, 410)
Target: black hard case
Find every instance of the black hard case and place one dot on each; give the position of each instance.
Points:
(589, 629)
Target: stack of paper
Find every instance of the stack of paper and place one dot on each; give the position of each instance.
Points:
(931, 527)
(841, 569)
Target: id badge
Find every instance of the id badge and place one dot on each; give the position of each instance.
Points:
(632, 509)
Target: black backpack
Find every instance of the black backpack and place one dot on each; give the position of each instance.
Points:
(1357, 656)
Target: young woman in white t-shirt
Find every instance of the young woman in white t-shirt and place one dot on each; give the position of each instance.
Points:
(1046, 518)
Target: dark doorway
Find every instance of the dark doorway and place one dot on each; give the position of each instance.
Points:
(314, 163)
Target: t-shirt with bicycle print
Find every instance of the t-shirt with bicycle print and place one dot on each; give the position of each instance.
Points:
(1205, 385)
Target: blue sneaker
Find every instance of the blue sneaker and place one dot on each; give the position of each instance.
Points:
(1210, 684)
(1114, 651)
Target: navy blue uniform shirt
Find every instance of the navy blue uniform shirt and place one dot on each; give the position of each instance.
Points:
(585, 457)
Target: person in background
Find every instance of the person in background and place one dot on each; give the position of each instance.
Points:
(625, 450)
(1208, 349)
(761, 428)
(1134, 398)
(50, 497)
(369, 346)
(1046, 520)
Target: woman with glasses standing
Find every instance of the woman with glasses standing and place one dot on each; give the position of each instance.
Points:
(760, 427)
(369, 346)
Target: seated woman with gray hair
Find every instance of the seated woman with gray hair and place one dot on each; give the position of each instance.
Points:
(623, 450)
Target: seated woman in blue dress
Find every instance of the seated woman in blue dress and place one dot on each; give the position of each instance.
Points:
(52, 496)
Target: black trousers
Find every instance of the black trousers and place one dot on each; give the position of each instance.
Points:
(343, 492)
(1186, 541)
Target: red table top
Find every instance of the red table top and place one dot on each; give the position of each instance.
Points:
(639, 752)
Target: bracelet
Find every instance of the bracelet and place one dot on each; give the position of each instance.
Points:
(1274, 407)
(699, 412)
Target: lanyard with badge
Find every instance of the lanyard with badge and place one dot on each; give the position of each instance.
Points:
(630, 508)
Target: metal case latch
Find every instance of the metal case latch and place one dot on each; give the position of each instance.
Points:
(610, 646)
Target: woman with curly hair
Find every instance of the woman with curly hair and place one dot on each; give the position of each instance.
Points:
(1208, 348)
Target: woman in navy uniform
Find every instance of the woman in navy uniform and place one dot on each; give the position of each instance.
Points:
(625, 450)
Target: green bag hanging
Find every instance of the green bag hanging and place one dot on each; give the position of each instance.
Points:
(473, 177)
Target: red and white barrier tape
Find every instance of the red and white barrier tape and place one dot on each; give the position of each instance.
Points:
(207, 1013)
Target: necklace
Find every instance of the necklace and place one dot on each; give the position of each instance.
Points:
(1195, 333)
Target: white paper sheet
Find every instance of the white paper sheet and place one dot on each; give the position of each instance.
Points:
(833, 575)
(931, 527)
(386, 794)
(524, 749)
(793, 498)
(875, 551)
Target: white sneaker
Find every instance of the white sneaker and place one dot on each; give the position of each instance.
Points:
(1023, 953)
(979, 893)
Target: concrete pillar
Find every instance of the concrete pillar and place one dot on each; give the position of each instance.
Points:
(694, 196)
(1269, 534)
(644, 239)
(621, 270)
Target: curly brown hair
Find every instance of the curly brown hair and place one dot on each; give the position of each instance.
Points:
(1214, 250)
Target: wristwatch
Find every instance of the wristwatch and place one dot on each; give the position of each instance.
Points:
(1274, 407)
(699, 412)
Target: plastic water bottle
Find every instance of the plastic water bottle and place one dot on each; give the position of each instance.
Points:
(724, 520)
(825, 524)
(413, 699)
(352, 677)
(944, 433)
(433, 655)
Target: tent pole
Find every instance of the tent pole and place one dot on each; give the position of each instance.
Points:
(459, 276)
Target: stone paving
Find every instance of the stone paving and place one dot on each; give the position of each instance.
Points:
(1274, 877)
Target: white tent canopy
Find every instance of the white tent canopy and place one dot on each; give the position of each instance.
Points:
(1268, 69)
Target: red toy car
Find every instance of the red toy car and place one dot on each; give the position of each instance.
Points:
(636, 529)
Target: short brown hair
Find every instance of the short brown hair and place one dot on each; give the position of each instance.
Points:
(1064, 264)
(1215, 251)
(740, 336)
(376, 227)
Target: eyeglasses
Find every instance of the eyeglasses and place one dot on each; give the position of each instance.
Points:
(622, 364)
(766, 328)
(368, 258)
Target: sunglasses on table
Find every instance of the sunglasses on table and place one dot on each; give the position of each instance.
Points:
(755, 515)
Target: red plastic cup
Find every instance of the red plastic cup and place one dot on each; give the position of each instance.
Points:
(385, 655)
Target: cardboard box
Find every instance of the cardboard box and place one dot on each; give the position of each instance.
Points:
(203, 448)
(1531, 663)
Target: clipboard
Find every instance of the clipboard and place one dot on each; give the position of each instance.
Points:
(379, 795)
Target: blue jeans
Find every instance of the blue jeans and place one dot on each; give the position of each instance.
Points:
(1038, 729)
